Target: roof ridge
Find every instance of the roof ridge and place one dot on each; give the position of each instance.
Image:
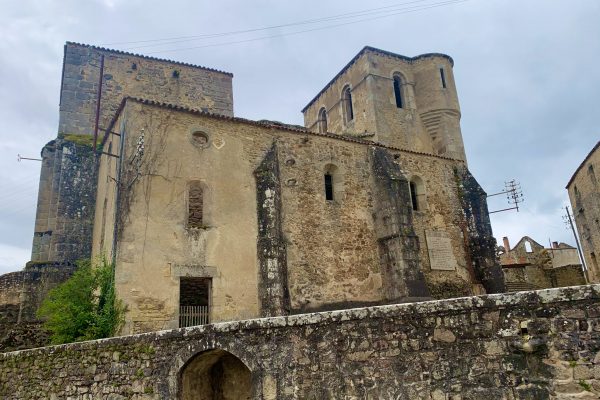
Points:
(282, 126)
(148, 57)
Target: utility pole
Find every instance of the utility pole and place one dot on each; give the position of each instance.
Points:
(569, 222)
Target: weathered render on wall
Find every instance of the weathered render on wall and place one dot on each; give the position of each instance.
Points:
(94, 82)
(584, 193)
(528, 345)
(303, 252)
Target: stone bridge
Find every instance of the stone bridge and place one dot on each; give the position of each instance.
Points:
(527, 345)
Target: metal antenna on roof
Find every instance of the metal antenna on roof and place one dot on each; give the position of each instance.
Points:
(514, 195)
(20, 157)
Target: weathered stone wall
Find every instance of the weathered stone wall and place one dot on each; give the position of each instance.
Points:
(21, 294)
(531, 277)
(584, 193)
(327, 254)
(428, 121)
(539, 268)
(529, 345)
(128, 74)
(68, 177)
(63, 224)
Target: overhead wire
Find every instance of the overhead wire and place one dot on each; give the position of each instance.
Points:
(405, 11)
(178, 39)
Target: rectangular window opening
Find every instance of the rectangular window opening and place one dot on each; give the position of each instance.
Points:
(328, 187)
(194, 301)
(195, 205)
(443, 76)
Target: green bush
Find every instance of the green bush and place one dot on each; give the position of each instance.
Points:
(84, 307)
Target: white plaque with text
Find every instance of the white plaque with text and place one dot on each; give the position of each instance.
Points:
(439, 247)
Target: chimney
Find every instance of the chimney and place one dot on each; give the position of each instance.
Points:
(555, 245)
(506, 244)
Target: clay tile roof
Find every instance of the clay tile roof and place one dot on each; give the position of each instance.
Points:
(146, 57)
(582, 164)
(377, 51)
(262, 123)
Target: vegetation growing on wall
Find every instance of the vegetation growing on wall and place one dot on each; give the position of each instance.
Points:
(84, 307)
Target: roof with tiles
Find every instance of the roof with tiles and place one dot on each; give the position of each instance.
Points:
(369, 49)
(262, 123)
(146, 57)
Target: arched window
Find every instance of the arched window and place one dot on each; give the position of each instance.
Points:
(528, 248)
(322, 120)
(592, 175)
(398, 91)
(417, 193)
(347, 104)
(195, 205)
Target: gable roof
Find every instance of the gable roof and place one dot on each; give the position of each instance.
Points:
(369, 49)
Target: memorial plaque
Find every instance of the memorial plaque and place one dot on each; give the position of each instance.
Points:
(439, 247)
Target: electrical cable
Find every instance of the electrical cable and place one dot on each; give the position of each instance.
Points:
(304, 22)
(435, 5)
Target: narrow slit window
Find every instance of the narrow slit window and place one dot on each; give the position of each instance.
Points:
(443, 77)
(413, 196)
(328, 187)
(322, 121)
(347, 105)
(398, 92)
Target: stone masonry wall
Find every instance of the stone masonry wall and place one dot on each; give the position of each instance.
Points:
(64, 212)
(21, 294)
(528, 345)
(584, 193)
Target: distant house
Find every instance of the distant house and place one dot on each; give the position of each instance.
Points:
(529, 265)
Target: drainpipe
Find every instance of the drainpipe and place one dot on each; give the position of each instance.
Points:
(98, 99)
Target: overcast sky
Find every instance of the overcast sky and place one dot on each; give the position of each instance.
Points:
(527, 75)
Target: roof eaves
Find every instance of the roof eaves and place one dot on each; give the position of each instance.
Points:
(582, 164)
(269, 124)
(147, 57)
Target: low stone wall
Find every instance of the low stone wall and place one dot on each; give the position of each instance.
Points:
(21, 294)
(526, 345)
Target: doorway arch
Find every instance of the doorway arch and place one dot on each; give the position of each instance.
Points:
(215, 375)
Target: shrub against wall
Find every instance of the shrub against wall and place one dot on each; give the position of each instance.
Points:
(84, 307)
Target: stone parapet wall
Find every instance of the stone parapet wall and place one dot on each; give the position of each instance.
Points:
(527, 345)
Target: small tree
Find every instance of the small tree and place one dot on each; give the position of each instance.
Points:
(84, 307)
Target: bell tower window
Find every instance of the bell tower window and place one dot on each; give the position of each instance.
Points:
(398, 92)
(347, 105)
(322, 120)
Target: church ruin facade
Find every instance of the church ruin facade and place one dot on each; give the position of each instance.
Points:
(210, 217)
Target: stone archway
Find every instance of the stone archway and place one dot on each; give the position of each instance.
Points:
(215, 375)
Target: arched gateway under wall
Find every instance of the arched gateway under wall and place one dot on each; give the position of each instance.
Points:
(215, 375)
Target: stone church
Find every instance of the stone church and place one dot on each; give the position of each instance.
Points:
(211, 217)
